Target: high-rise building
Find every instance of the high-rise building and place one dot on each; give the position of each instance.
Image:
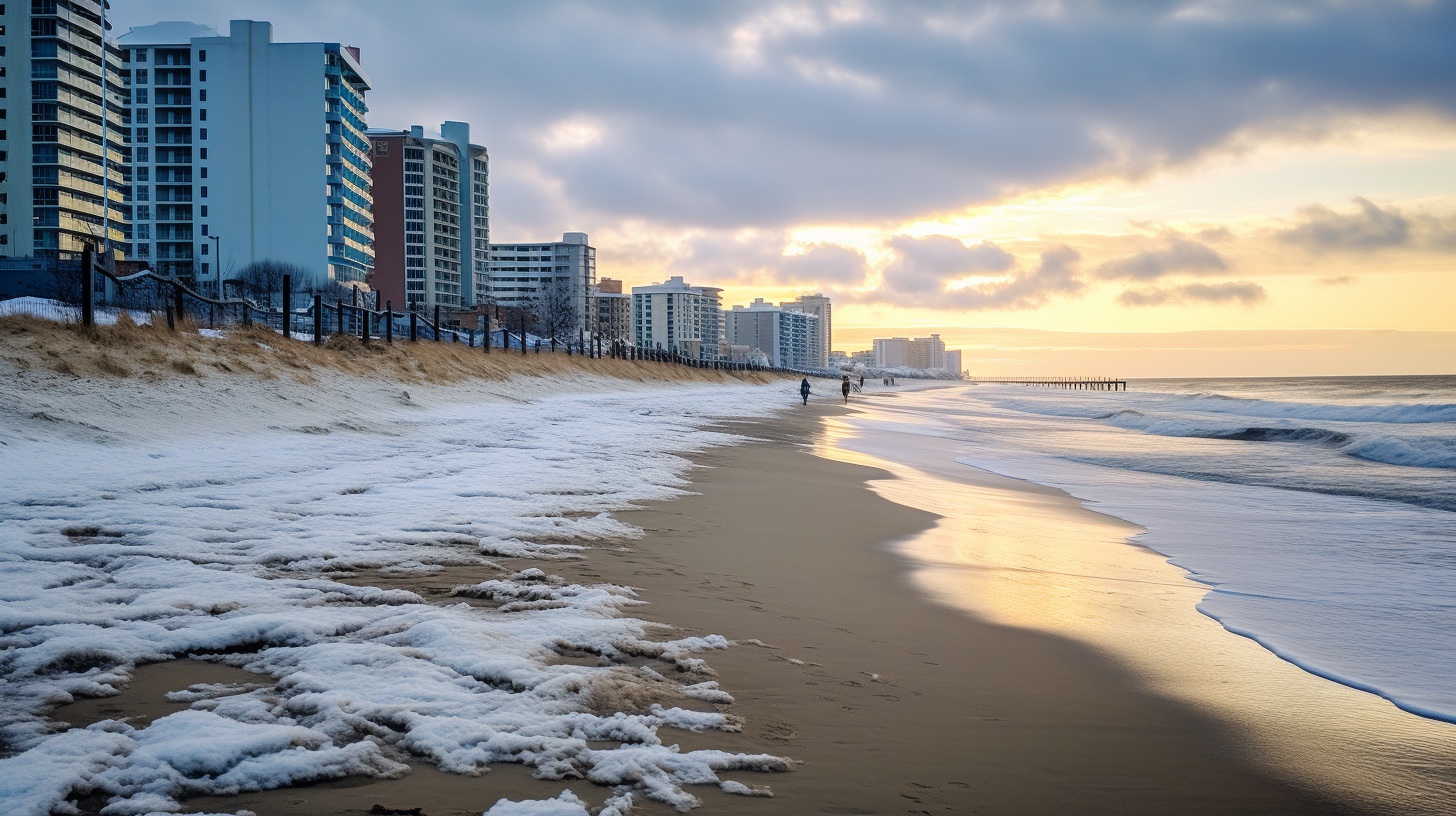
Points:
(819, 306)
(892, 352)
(519, 273)
(788, 337)
(953, 363)
(247, 150)
(431, 217)
(63, 150)
(926, 353)
(611, 311)
(677, 316)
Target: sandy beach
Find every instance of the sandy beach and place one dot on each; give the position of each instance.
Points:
(886, 694)
(888, 702)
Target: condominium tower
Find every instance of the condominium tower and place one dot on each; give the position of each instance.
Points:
(519, 273)
(431, 217)
(787, 337)
(819, 306)
(53, 125)
(246, 150)
(677, 316)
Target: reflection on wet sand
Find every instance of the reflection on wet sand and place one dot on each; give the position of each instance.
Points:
(1028, 556)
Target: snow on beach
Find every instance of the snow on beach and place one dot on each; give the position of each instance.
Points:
(221, 519)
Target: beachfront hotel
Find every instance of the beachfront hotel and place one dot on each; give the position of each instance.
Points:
(676, 316)
(431, 217)
(786, 337)
(231, 137)
(519, 273)
(819, 306)
(57, 134)
(922, 353)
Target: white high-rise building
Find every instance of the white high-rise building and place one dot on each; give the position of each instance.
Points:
(518, 273)
(819, 306)
(677, 316)
(788, 337)
(246, 150)
(55, 134)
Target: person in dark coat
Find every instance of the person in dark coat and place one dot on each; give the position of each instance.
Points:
(844, 387)
(804, 390)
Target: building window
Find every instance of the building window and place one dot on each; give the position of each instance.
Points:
(202, 95)
(204, 191)
(141, 76)
(202, 153)
(202, 114)
(202, 133)
(203, 172)
(202, 56)
(140, 55)
(203, 250)
(204, 210)
(202, 75)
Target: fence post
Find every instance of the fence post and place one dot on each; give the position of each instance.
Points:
(177, 300)
(171, 325)
(389, 321)
(340, 305)
(523, 333)
(288, 306)
(414, 326)
(437, 322)
(318, 320)
(487, 330)
(363, 317)
(88, 304)
(472, 339)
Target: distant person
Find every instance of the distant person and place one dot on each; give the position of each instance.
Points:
(804, 390)
(861, 382)
(844, 388)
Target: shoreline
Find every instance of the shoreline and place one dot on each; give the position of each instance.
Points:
(887, 699)
(892, 701)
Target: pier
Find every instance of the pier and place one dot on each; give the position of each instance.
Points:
(1074, 383)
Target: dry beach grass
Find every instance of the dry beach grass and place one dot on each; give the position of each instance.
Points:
(151, 352)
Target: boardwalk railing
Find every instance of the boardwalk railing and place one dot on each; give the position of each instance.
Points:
(1073, 383)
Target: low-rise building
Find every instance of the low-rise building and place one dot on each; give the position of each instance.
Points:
(611, 312)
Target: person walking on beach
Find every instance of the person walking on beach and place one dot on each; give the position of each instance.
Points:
(804, 390)
(844, 387)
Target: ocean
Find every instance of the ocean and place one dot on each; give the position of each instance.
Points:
(1319, 513)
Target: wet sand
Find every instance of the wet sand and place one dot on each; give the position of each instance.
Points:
(889, 702)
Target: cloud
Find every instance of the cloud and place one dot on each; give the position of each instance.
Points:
(922, 274)
(763, 115)
(1246, 293)
(1371, 227)
(756, 257)
(925, 265)
(1342, 280)
(1179, 256)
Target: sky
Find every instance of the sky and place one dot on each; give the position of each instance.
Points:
(1135, 166)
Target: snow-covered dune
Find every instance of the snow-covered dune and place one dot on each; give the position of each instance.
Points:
(238, 520)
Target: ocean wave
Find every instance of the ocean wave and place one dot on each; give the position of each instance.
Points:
(1392, 413)
(1204, 402)
(1427, 453)
(1176, 426)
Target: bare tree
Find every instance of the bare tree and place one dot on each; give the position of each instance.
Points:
(262, 281)
(555, 310)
